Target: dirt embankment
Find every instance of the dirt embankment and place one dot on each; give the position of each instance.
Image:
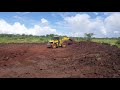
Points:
(80, 60)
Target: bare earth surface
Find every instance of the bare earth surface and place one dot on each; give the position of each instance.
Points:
(80, 60)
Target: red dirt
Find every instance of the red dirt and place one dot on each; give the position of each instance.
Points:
(80, 60)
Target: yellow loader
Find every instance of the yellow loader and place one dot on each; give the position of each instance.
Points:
(58, 41)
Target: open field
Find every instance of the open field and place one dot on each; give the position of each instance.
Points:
(79, 60)
(105, 40)
(7, 38)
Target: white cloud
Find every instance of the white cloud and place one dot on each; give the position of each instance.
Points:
(54, 15)
(18, 18)
(44, 20)
(96, 13)
(117, 32)
(83, 23)
(112, 22)
(101, 26)
(18, 28)
(74, 25)
(110, 13)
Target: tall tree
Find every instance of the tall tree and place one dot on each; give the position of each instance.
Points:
(88, 36)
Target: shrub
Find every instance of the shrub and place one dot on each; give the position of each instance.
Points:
(88, 36)
(118, 41)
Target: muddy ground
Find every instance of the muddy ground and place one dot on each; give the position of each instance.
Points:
(79, 60)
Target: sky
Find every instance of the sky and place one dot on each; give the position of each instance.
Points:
(76, 24)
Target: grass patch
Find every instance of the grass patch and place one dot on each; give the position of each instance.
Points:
(10, 38)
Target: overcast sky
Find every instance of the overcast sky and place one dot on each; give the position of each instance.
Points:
(102, 24)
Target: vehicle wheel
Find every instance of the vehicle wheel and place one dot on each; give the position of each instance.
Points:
(64, 45)
(54, 46)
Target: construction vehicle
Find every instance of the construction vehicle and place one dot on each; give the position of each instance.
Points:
(58, 41)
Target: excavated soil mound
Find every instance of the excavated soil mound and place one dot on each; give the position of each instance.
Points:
(79, 60)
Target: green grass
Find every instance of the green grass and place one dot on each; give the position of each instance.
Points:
(78, 39)
(111, 41)
(23, 39)
(10, 38)
(105, 40)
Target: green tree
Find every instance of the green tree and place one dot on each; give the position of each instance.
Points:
(88, 36)
(51, 35)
